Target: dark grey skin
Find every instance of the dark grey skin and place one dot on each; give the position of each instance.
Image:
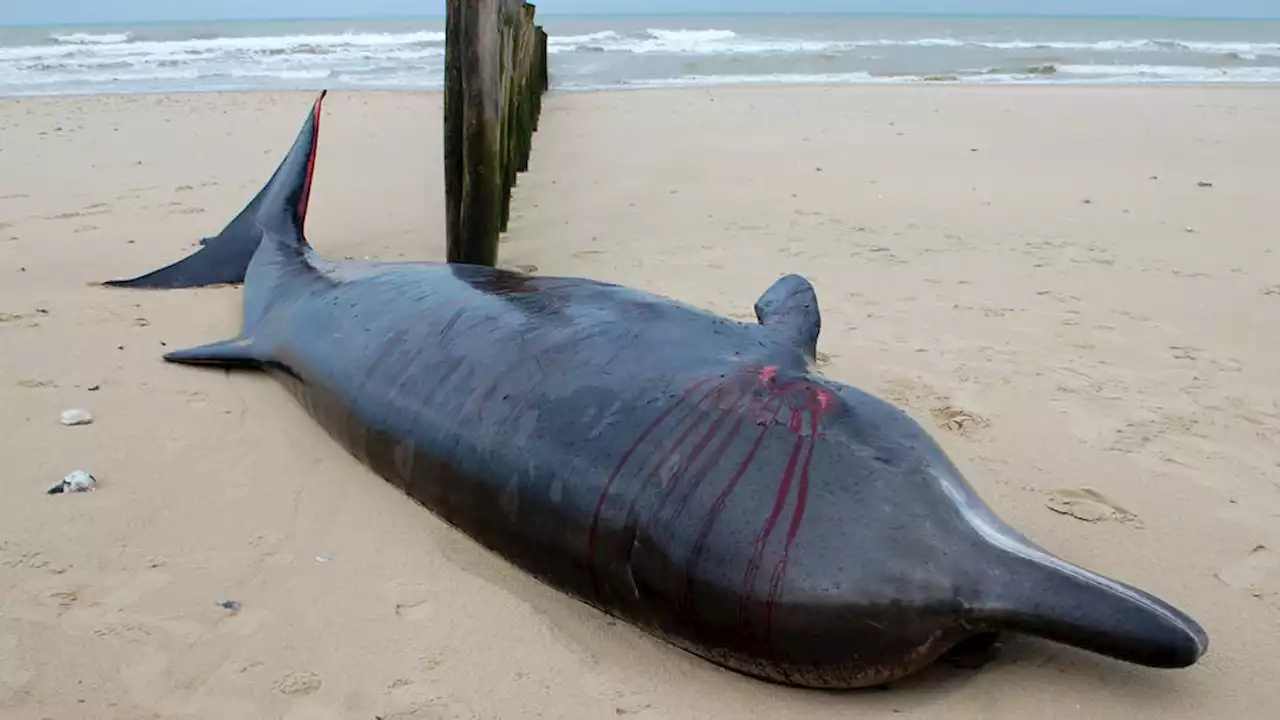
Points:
(682, 471)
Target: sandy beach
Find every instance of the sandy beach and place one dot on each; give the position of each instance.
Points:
(1075, 289)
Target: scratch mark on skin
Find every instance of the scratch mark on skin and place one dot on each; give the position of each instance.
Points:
(804, 402)
(762, 538)
(717, 507)
(797, 406)
(654, 468)
(712, 461)
(797, 516)
(626, 457)
(481, 398)
(448, 326)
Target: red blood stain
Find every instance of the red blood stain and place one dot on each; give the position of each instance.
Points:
(305, 198)
(626, 456)
(795, 405)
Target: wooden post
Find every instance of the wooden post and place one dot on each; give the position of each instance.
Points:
(495, 74)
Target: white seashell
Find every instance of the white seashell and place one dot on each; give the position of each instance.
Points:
(76, 417)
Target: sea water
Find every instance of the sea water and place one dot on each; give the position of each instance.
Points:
(601, 52)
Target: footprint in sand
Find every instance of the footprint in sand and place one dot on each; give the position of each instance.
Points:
(1091, 506)
(958, 420)
(299, 684)
(1257, 573)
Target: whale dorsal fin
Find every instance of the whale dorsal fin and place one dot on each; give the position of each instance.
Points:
(790, 306)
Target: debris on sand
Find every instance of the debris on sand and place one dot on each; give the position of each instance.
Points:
(77, 482)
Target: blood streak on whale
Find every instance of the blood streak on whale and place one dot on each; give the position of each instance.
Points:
(804, 403)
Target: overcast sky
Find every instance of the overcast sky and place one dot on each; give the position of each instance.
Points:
(84, 11)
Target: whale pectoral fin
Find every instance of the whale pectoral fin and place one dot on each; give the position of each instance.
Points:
(235, 353)
(790, 305)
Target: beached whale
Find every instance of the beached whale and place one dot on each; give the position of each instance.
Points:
(682, 471)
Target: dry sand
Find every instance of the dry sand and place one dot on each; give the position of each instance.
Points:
(1012, 265)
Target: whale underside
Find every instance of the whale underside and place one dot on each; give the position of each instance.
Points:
(685, 472)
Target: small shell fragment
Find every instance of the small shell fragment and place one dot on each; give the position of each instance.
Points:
(77, 482)
(75, 417)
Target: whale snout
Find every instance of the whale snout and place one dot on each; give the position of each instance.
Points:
(1168, 639)
(1058, 601)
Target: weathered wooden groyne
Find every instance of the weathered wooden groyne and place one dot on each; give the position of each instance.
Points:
(495, 76)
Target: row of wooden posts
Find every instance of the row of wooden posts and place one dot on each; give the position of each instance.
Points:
(495, 75)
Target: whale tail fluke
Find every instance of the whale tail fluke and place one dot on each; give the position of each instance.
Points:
(278, 210)
(1050, 598)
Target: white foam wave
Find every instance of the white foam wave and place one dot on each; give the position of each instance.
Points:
(689, 42)
(690, 36)
(1067, 74)
(575, 40)
(1172, 73)
(81, 38)
(258, 61)
(317, 44)
(727, 42)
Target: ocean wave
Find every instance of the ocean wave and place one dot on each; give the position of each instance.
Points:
(1172, 73)
(81, 38)
(652, 57)
(689, 42)
(575, 40)
(219, 61)
(727, 42)
(125, 62)
(1040, 74)
(210, 46)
